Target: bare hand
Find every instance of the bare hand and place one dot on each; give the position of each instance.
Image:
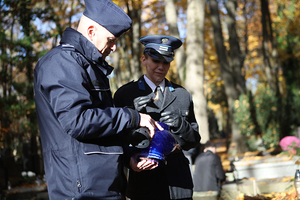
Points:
(147, 121)
(143, 164)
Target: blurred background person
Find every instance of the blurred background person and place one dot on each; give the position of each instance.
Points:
(208, 173)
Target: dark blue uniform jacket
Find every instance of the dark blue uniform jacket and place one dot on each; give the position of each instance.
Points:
(173, 180)
(79, 126)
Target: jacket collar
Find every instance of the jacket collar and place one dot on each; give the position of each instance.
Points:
(169, 97)
(86, 48)
(142, 83)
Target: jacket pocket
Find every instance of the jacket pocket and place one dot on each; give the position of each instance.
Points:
(96, 149)
(99, 86)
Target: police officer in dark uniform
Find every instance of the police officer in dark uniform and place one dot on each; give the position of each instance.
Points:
(171, 104)
(81, 130)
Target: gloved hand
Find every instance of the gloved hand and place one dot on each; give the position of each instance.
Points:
(141, 102)
(171, 118)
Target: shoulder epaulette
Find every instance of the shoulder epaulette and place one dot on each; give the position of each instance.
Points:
(67, 47)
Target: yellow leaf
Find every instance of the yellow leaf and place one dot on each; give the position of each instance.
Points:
(212, 57)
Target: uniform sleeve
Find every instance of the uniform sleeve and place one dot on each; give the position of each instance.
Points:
(188, 135)
(66, 87)
(122, 98)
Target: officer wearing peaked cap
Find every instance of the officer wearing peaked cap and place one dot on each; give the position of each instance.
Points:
(80, 128)
(174, 107)
(160, 47)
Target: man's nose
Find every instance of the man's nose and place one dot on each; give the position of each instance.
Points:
(114, 47)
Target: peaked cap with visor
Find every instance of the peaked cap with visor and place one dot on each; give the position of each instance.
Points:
(109, 15)
(160, 47)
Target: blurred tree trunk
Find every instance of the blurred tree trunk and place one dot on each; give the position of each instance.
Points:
(171, 17)
(270, 54)
(121, 62)
(128, 68)
(268, 47)
(116, 56)
(195, 63)
(237, 140)
(135, 31)
(236, 57)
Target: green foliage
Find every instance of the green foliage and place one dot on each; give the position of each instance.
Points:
(266, 106)
(242, 115)
(287, 28)
(267, 116)
(17, 60)
(271, 135)
(253, 143)
(265, 113)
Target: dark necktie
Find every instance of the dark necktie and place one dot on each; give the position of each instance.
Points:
(159, 94)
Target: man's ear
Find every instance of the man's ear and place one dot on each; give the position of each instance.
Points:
(91, 31)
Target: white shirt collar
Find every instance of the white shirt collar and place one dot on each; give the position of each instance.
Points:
(153, 86)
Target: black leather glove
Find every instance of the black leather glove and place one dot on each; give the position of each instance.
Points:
(172, 119)
(141, 102)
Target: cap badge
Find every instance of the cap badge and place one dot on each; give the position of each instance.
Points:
(164, 40)
(163, 48)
